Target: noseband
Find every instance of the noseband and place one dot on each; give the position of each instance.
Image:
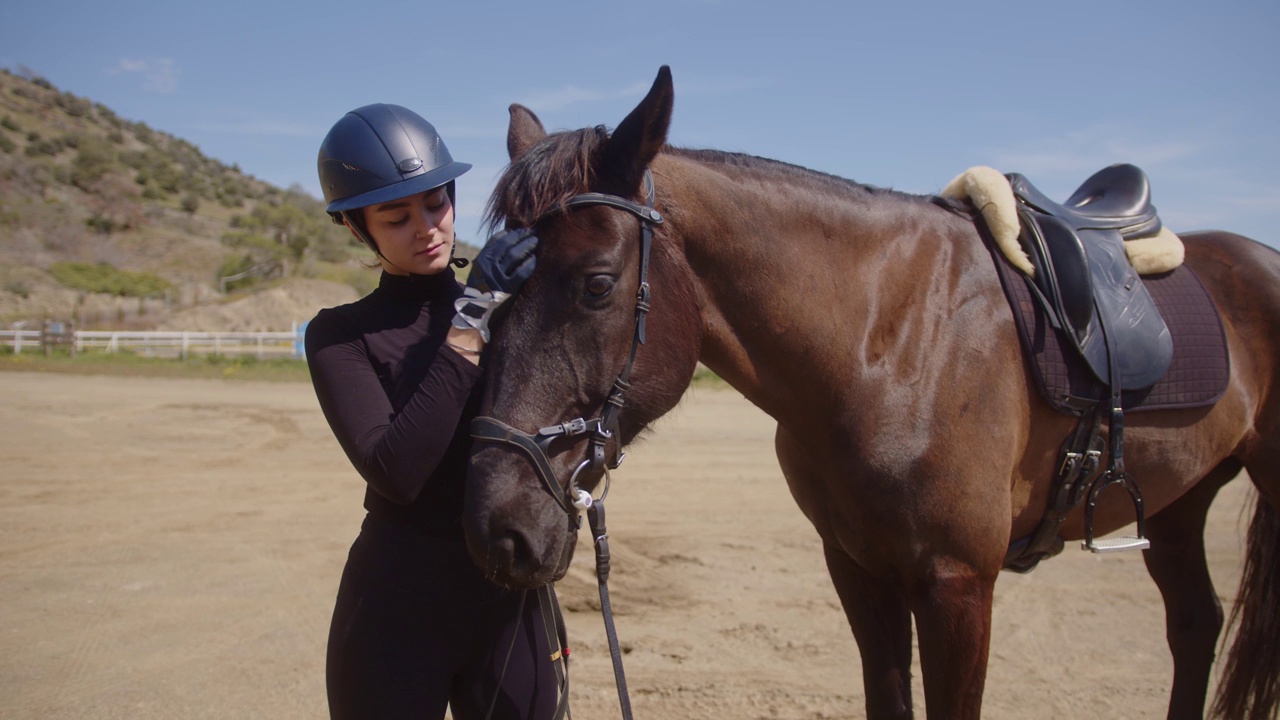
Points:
(572, 497)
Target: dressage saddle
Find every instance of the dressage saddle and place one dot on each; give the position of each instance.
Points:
(1089, 289)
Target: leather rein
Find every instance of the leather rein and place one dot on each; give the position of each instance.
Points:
(572, 497)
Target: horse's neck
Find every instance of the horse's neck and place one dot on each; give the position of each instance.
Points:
(783, 275)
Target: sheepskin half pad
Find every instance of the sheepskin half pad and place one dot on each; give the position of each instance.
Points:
(988, 189)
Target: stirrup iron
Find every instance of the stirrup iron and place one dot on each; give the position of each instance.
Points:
(1122, 543)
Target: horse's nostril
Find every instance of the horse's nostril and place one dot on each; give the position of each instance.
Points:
(508, 551)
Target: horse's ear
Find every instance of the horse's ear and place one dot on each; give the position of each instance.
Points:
(524, 130)
(639, 137)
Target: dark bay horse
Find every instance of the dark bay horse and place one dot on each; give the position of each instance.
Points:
(870, 324)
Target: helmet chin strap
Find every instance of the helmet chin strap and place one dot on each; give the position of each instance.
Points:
(456, 261)
(353, 220)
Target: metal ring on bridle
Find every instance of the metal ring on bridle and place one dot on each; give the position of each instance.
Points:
(581, 498)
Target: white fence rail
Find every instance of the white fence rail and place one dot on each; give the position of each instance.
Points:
(162, 343)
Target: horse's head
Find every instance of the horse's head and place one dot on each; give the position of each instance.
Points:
(572, 332)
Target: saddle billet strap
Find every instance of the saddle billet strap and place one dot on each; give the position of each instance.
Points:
(1080, 454)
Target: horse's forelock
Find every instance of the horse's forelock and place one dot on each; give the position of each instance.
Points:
(544, 177)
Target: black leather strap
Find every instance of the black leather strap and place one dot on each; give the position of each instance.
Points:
(496, 431)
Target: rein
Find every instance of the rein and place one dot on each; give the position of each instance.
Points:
(572, 497)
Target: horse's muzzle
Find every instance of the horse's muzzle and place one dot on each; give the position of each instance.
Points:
(516, 533)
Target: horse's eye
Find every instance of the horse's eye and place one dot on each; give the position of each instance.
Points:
(599, 286)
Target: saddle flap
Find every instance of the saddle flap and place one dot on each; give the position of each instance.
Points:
(1066, 280)
(1089, 286)
(1136, 332)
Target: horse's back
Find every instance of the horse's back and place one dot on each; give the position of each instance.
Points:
(1205, 248)
(1243, 277)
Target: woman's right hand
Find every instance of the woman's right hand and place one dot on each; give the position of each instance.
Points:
(505, 262)
(498, 272)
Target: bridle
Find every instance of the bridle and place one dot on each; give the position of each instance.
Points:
(572, 497)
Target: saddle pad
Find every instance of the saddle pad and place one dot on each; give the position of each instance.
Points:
(1196, 378)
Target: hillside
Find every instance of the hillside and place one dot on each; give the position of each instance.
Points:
(114, 224)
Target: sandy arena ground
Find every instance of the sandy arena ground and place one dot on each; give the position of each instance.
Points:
(171, 549)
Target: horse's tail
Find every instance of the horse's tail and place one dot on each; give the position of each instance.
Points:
(1250, 686)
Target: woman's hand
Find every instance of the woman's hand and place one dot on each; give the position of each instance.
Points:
(497, 273)
(505, 262)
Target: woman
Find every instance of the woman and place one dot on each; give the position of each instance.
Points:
(416, 628)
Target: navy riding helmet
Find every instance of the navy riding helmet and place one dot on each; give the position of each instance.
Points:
(378, 153)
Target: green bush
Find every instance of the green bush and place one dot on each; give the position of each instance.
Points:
(50, 147)
(95, 158)
(72, 105)
(102, 224)
(106, 278)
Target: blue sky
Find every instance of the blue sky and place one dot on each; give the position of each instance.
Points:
(894, 94)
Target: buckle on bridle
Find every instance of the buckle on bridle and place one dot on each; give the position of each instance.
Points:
(577, 426)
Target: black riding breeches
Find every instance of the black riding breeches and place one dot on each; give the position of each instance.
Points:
(416, 629)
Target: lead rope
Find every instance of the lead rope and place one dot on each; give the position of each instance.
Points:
(595, 518)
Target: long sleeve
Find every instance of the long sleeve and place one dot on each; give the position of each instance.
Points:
(395, 451)
(398, 401)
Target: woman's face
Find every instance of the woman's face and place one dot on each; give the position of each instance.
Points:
(414, 233)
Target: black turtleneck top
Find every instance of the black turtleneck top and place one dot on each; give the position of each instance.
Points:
(399, 401)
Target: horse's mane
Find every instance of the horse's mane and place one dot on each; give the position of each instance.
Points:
(544, 176)
(559, 167)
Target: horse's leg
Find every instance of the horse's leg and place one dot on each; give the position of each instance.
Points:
(881, 623)
(952, 607)
(1193, 615)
